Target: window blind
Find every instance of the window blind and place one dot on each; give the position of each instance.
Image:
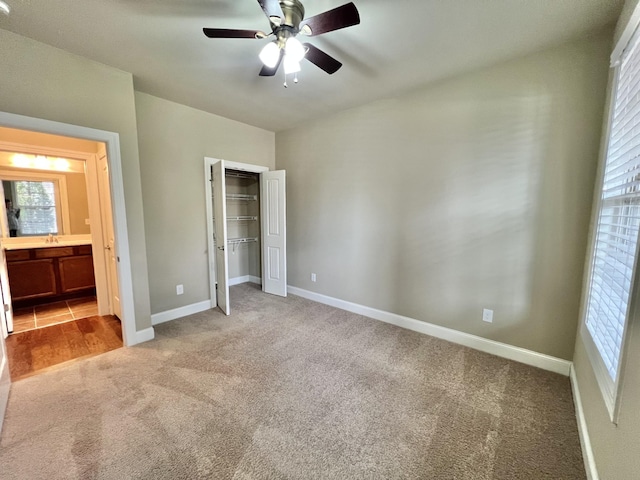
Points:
(616, 240)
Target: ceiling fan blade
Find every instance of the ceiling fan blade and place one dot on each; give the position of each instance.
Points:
(341, 17)
(271, 8)
(321, 59)
(230, 33)
(270, 72)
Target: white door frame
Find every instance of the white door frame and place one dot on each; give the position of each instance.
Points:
(112, 140)
(211, 253)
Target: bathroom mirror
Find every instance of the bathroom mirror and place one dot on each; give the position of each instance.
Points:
(43, 203)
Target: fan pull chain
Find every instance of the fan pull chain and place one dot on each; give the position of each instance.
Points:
(295, 79)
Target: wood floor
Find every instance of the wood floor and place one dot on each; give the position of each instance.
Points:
(36, 350)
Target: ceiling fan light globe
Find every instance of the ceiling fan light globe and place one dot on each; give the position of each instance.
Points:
(291, 65)
(270, 55)
(294, 49)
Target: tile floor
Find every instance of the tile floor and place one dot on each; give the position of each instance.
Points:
(52, 313)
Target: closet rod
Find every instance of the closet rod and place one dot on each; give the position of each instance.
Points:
(241, 196)
(242, 240)
(243, 218)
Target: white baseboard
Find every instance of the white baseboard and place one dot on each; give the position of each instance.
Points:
(522, 355)
(142, 336)
(168, 315)
(585, 441)
(245, 279)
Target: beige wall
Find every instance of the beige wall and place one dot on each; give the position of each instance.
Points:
(472, 193)
(174, 140)
(625, 16)
(78, 203)
(614, 447)
(44, 82)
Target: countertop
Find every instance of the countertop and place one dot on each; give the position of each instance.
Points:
(23, 243)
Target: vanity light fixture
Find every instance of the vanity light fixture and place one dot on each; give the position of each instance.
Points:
(40, 162)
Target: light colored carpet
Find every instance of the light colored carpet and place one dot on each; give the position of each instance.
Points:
(288, 388)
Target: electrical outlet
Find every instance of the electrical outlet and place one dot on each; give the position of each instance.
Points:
(87, 221)
(313, 277)
(487, 315)
(179, 289)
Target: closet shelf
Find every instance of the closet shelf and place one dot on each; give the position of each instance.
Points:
(243, 218)
(236, 174)
(241, 197)
(242, 240)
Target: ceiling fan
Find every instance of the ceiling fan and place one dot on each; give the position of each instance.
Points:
(286, 18)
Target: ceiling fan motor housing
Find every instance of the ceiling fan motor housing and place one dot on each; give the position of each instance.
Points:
(293, 12)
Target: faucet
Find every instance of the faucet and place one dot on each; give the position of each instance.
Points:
(51, 239)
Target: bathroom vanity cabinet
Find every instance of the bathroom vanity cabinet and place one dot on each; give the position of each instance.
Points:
(36, 274)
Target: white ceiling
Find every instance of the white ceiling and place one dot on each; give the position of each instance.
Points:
(399, 45)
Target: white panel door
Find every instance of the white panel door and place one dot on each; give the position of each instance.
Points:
(7, 326)
(5, 294)
(274, 232)
(220, 239)
(109, 238)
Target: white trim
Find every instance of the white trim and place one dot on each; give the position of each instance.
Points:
(5, 383)
(625, 38)
(245, 279)
(112, 140)
(608, 387)
(245, 167)
(522, 355)
(585, 441)
(168, 315)
(144, 336)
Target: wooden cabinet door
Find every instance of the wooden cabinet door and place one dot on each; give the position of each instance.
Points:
(32, 279)
(76, 273)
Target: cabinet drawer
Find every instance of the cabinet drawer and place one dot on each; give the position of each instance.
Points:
(84, 250)
(54, 252)
(17, 255)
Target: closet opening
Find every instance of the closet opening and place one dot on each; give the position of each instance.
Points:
(243, 226)
(246, 225)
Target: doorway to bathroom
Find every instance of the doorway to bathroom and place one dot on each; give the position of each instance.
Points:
(58, 241)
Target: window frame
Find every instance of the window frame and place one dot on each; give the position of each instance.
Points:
(609, 388)
(61, 195)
